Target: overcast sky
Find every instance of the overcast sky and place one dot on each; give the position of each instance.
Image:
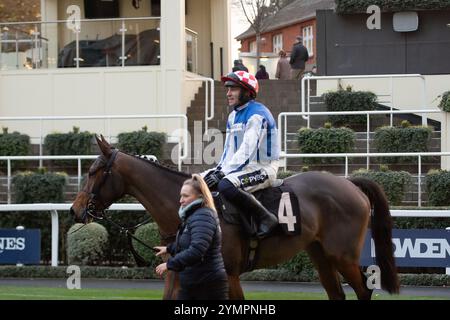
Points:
(238, 25)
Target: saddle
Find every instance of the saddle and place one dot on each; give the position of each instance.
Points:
(280, 201)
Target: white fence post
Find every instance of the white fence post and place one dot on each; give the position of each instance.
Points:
(55, 237)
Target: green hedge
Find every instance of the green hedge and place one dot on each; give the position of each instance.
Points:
(71, 143)
(300, 264)
(325, 140)
(438, 187)
(87, 272)
(98, 272)
(87, 244)
(14, 144)
(393, 182)
(38, 187)
(119, 251)
(148, 233)
(445, 102)
(285, 174)
(347, 100)
(420, 223)
(360, 6)
(142, 142)
(91, 272)
(400, 140)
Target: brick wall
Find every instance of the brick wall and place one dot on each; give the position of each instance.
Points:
(289, 35)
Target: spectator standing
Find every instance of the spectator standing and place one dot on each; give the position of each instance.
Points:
(283, 67)
(239, 66)
(262, 73)
(299, 56)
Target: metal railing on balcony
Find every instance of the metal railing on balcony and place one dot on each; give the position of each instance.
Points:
(191, 50)
(83, 43)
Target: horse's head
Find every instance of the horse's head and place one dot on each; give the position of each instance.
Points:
(104, 185)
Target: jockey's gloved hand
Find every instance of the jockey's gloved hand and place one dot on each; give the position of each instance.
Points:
(212, 179)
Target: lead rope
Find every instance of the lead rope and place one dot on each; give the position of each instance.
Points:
(173, 275)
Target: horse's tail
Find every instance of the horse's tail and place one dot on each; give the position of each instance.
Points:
(381, 226)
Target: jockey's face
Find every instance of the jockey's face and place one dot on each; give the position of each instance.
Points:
(233, 94)
(187, 195)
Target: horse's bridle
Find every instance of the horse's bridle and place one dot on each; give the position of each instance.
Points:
(99, 214)
(91, 208)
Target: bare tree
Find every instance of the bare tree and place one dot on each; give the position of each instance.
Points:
(256, 12)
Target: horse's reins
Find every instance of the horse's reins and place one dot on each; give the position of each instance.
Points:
(96, 214)
(91, 209)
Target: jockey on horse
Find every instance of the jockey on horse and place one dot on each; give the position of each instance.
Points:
(250, 158)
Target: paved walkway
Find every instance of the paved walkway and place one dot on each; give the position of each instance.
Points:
(267, 286)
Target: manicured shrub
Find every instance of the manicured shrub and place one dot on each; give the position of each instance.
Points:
(88, 245)
(360, 6)
(39, 187)
(14, 144)
(438, 187)
(142, 142)
(445, 102)
(400, 140)
(325, 140)
(147, 233)
(285, 174)
(71, 143)
(393, 182)
(347, 100)
(300, 264)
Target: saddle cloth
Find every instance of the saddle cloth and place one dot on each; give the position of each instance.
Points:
(280, 201)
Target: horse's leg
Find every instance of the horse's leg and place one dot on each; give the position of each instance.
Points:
(235, 291)
(355, 277)
(327, 271)
(171, 286)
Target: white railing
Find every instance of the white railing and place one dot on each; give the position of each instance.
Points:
(209, 115)
(182, 154)
(419, 155)
(282, 125)
(191, 50)
(9, 159)
(308, 78)
(55, 207)
(75, 25)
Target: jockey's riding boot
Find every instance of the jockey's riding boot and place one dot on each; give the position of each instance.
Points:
(266, 220)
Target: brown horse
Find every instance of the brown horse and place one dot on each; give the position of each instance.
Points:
(335, 217)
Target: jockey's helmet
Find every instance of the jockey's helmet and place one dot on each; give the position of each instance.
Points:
(242, 79)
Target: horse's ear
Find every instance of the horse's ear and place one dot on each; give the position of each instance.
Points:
(103, 139)
(104, 146)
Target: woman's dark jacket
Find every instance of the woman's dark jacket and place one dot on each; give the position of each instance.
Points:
(199, 255)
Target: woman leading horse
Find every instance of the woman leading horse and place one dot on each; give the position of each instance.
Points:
(335, 215)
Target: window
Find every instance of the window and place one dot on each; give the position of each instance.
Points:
(156, 8)
(308, 38)
(253, 46)
(277, 42)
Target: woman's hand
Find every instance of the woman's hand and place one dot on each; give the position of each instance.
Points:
(161, 250)
(161, 269)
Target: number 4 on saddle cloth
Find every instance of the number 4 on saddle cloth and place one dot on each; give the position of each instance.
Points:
(278, 200)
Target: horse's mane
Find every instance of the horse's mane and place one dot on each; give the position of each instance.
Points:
(154, 162)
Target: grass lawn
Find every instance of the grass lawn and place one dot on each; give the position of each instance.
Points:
(38, 293)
